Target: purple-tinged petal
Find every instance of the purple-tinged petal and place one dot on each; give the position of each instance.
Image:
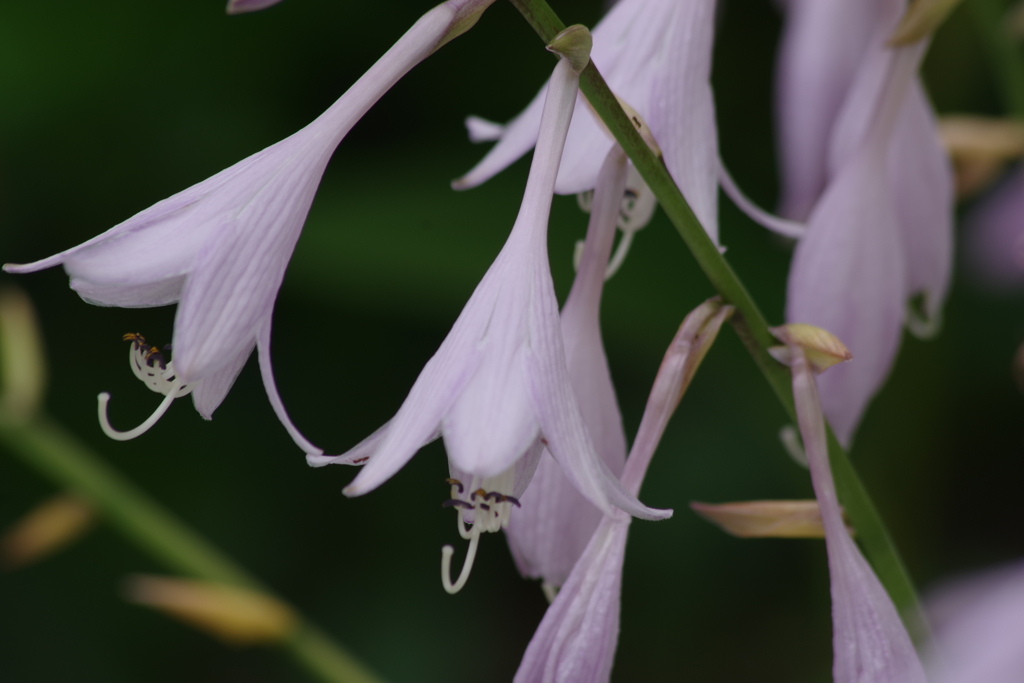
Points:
(270, 386)
(925, 204)
(847, 277)
(689, 142)
(548, 535)
(979, 628)
(242, 6)
(822, 47)
(782, 226)
(209, 393)
(995, 235)
(870, 642)
(519, 137)
(644, 49)
(848, 274)
(575, 642)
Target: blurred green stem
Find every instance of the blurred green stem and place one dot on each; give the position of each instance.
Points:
(1003, 52)
(748, 322)
(47, 447)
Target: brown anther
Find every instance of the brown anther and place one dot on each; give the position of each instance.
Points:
(455, 502)
(478, 492)
(485, 506)
(454, 482)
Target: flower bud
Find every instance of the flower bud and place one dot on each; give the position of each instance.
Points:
(573, 43)
(235, 615)
(765, 518)
(51, 526)
(822, 348)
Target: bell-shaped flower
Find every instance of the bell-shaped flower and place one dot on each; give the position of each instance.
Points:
(995, 235)
(220, 248)
(979, 628)
(874, 242)
(655, 55)
(576, 640)
(870, 642)
(548, 535)
(498, 387)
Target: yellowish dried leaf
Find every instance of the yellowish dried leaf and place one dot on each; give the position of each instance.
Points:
(52, 525)
(235, 615)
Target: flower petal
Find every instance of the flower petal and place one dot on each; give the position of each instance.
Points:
(925, 203)
(822, 46)
(870, 641)
(682, 83)
(209, 393)
(576, 639)
(267, 372)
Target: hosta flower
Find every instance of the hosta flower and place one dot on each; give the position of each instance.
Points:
(498, 389)
(995, 235)
(656, 57)
(880, 235)
(871, 644)
(979, 628)
(548, 535)
(220, 248)
(576, 639)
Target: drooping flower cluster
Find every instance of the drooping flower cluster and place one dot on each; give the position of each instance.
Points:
(520, 392)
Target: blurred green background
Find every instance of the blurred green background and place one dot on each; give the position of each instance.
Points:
(109, 106)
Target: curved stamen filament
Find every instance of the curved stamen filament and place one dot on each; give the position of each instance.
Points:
(104, 399)
(621, 249)
(467, 565)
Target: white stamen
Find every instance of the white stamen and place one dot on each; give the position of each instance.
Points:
(467, 565)
(159, 377)
(104, 398)
(486, 507)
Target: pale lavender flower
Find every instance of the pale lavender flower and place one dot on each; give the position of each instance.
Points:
(242, 6)
(548, 535)
(822, 46)
(656, 57)
(870, 642)
(876, 238)
(995, 235)
(498, 387)
(575, 642)
(979, 628)
(220, 248)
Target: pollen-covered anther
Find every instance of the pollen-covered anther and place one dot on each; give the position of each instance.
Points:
(149, 365)
(485, 508)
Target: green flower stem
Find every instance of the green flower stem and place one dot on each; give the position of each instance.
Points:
(59, 456)
(1003, 53)
(748, 322)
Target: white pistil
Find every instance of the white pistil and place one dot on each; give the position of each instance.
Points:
(488, 507)
(159, 378)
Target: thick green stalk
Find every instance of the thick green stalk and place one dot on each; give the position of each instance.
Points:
(58, 455)
(749, 322)
(1003, 52)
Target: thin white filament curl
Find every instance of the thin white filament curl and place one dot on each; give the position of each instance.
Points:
(114, 434)
(467, 565)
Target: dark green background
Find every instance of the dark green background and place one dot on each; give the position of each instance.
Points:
(109, 106)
